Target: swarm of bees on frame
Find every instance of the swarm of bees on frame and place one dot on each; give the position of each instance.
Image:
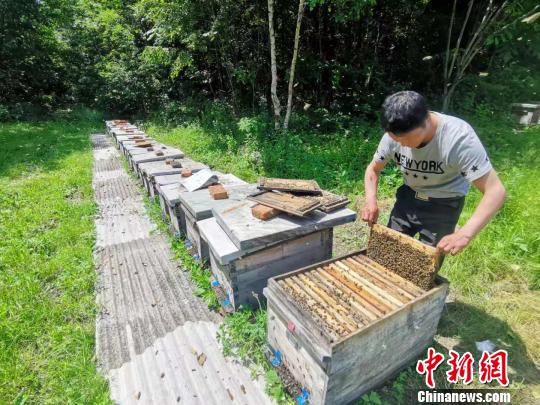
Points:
(414, 264)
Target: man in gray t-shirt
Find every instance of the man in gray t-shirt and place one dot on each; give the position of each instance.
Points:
(439, 156)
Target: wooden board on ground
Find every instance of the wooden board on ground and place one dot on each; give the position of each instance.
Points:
(404, 255)
(293, 185)
(285, 202)
(250, 233)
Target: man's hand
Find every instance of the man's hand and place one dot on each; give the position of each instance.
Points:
(370, 213)
(454, 243)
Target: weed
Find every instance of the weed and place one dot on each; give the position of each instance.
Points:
(47, 309)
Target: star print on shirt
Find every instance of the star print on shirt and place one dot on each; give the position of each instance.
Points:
(406, 173)
(425, 177)
(474, 168)
(463, 174)
(415, 175)
(381, 157)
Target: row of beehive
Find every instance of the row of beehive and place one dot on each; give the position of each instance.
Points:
(242, 251)
(341, 327)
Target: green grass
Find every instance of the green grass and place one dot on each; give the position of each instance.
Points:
(47, 305)
(495, 282)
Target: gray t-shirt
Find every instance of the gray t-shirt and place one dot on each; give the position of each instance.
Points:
(444, 167)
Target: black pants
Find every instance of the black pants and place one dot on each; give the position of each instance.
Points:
(432, 219)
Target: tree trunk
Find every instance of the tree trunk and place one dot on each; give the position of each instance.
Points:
(293, 63)
(456, 62)
(273, 67)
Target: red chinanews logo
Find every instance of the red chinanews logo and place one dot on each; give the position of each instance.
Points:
(491, 367)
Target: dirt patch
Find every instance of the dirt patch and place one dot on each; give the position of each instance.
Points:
(74, 196)
(351, 237)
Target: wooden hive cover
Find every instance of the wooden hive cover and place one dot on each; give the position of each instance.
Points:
(348, 294)
(404, 255)
(293, 185)
(285, 202)
(329, 201)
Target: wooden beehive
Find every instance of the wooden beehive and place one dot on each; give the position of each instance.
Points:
(346, 325)
(249, 274)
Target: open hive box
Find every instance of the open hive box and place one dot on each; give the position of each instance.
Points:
(344, 326)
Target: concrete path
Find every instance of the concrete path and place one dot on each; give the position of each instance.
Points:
(155, 341)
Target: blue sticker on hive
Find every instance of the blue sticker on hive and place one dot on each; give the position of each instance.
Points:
(215, 283)
(302, 399)
(276, 361)
(226, 301)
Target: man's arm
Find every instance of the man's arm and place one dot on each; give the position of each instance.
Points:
(492, 200)
(370, 212)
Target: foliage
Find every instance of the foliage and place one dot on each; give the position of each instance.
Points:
(140, 56)
(47, 309)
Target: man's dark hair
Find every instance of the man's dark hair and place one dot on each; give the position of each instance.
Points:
(403, 112)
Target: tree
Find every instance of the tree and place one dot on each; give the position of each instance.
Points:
(293, 63)
(273, 66)
(491, 19)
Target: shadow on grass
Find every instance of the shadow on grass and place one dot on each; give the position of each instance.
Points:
(27, 147)
(464, 324)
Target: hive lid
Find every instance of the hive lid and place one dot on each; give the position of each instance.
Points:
(171, 192)
(248, 233)
(157, 168)
(291, 204)
(404, 255)
(200, 206)
(151, 156)
(293, 185)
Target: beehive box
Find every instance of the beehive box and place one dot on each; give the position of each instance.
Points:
(245, 251)
(172, 208)
(346, 325)
(243, 274)
(151, 171)
(198, 205)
